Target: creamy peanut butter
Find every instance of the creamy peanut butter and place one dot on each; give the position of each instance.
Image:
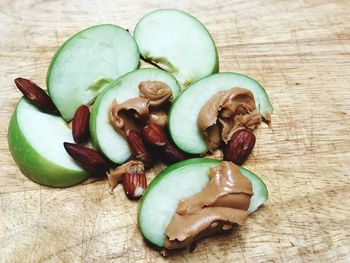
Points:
(120, 114)
(158, 117)
(148, 106)
(226, 112)
(116, 175)
(222, 203)
(156, 91)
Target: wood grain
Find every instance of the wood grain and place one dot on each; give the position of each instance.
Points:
(298, 50)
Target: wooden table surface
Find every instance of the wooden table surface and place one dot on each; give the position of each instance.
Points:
(298, 50)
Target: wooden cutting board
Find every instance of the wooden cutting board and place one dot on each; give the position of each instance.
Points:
(298, 50)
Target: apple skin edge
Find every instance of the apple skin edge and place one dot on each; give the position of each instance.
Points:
(257, 183)
(35, 166)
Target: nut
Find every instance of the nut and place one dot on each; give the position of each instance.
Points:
(36, 95)
(240, 146)
(154, 134)
(89, 159)
(171, 154)
(80, 124)
(116, 175)
(134, 181)
(137, 146)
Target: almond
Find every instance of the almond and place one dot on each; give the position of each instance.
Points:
(36, 95)
(171, 154)
(89, 159)
(138, 147)
(156, 136)
(134, 182)
(240, 146)
(80, 124)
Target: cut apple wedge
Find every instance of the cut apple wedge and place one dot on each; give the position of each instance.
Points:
(177, 182)
(178, 43)
(36, 144)
(185, 109)
(104, 137)
(86, 63)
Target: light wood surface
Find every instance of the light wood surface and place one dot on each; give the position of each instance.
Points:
(298, 50)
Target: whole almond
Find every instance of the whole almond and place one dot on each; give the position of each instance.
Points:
(137, 146)
(170, 154)
(89, 159)
(240, 146)
(80, 124)
(36, 95)
(154, 134)
(134, 182)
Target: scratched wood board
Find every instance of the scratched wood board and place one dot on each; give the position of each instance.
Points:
(298, 50)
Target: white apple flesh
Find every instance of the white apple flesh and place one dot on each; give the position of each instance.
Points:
(36, 144)
(86, 63)
(177, 182)
(178, 43)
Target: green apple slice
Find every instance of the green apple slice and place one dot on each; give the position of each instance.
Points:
(184, 111)
(178, 43)
(104, 137)
(177, 182)
(86, 63)
(36, 144)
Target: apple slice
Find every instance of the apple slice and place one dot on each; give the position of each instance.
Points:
(104, 137)
(86, 63)
(177, 182)
(36, 144)
(184, 111)
(178, 43)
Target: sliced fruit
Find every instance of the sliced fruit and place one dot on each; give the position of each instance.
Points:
(36, 144)
(104, 137)
(177, 182)
(86, 63)
(178, 43)
(184, 111)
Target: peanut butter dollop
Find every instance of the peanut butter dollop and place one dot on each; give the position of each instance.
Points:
(148, 106)
(222, 203)
(226, 112)
(116, 175)
(120, 114)
(156, 91)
